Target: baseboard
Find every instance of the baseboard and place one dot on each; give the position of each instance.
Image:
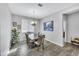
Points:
(68, 41)
(10, 51)
(56, 43)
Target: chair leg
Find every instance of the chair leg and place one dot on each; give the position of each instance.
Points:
(43, 45)
(38, 48)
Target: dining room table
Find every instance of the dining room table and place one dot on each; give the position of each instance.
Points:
(35, 37)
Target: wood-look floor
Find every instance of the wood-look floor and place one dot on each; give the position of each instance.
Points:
(50, 50)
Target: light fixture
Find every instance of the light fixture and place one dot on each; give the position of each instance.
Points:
(40, 5)
(34, 13)
(33, 23)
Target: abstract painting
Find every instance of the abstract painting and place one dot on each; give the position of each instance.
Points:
(48, 26)
(14, 24)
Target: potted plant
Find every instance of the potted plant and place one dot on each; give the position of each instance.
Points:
(14, 37)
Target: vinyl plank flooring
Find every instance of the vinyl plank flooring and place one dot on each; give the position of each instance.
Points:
(50, 50)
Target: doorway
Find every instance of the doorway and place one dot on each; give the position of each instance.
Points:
(70, 26)
(65, 28)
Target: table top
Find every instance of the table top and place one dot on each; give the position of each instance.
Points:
(33, 36)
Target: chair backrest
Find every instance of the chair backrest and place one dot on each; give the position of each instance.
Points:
(27, 38)
(41, 39)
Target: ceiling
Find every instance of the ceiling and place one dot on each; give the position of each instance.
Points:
(34, 11)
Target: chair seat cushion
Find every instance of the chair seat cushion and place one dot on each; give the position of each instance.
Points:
(37, 44)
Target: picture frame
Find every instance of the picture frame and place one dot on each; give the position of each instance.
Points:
(18, 26)
(14, 24)
(48, 26)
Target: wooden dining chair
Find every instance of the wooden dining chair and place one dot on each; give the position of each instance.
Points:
(36, 43)
(27, 38)
(40, 42)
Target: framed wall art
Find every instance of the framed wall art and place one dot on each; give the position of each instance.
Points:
(48, 26)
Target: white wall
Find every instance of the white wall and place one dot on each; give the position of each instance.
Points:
(65, 27)
(25, 23)
(16, 18)
(5, 29)
(56, 35)
(27, 27)
(73, 26)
